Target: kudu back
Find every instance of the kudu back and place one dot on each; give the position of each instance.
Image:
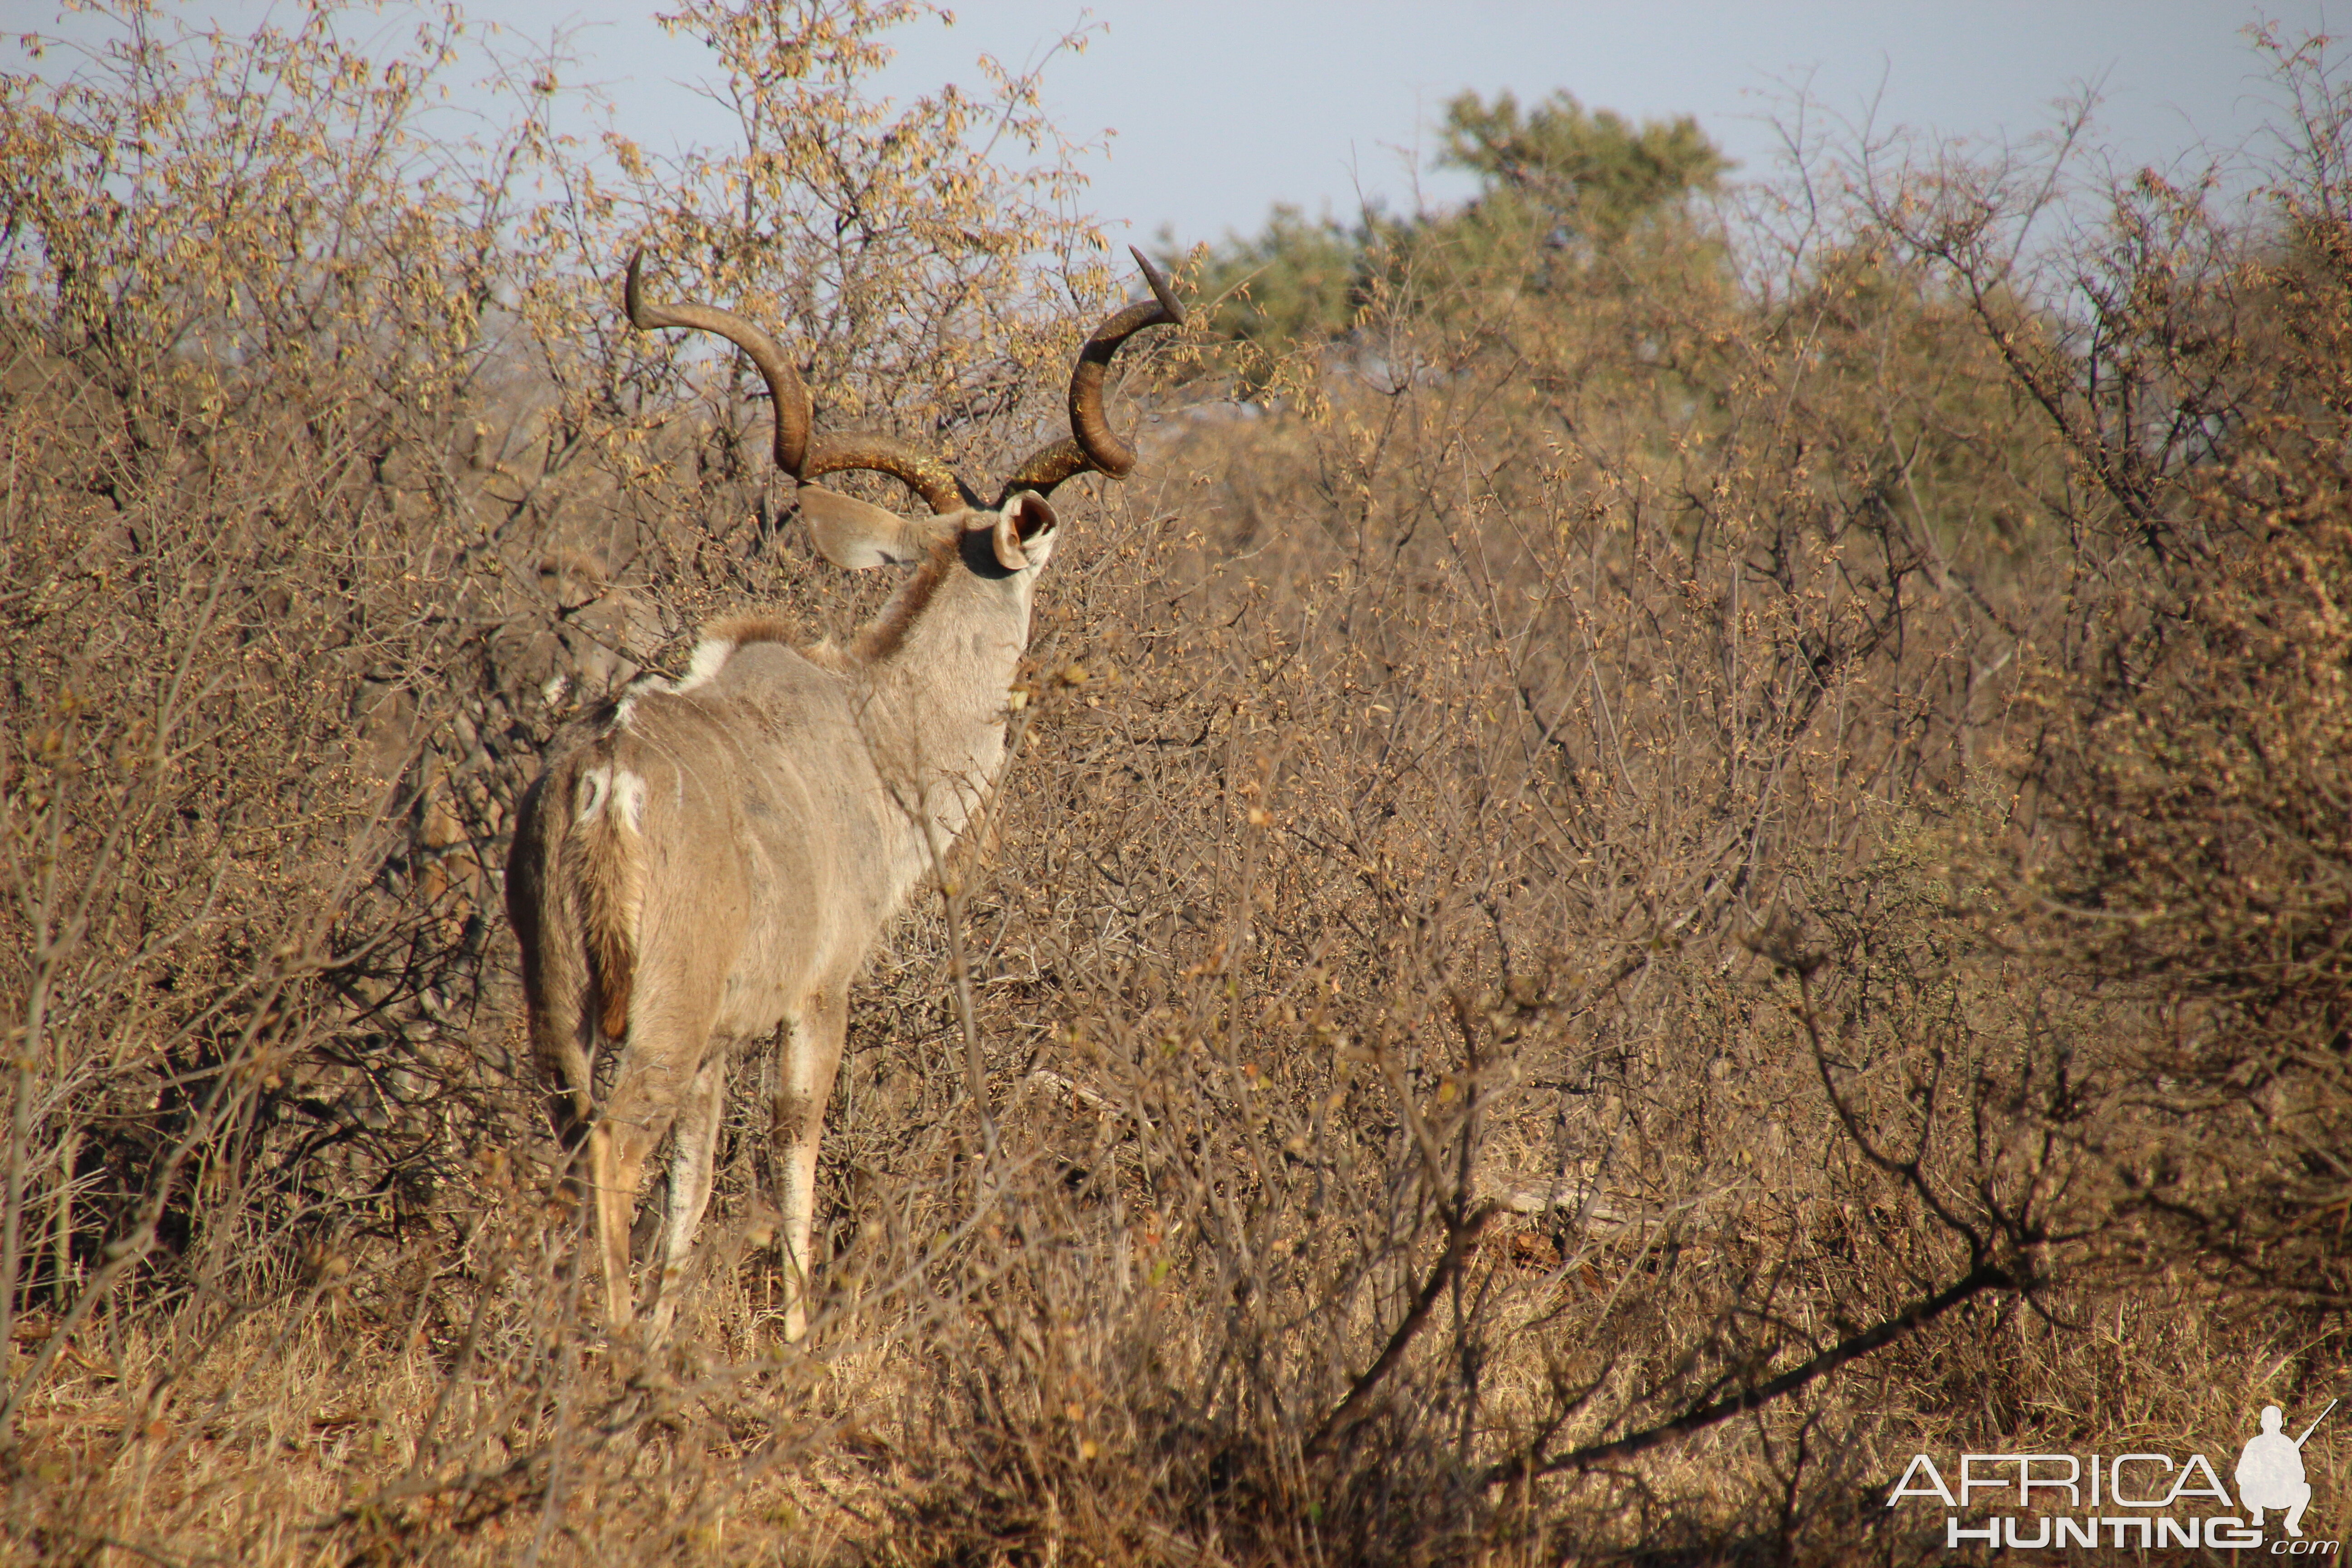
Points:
(705, 865)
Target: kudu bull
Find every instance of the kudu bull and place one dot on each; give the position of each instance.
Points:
(705, 861)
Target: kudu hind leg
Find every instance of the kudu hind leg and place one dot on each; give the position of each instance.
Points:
(563, 1038)
(693, 1151)
(616, 1162)
(654, 1072)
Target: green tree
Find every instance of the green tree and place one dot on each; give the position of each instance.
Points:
(1566, 172)
(1559, 185)
(1297, 280)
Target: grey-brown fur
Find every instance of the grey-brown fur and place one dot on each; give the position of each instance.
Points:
(707, 864)
(699, 864)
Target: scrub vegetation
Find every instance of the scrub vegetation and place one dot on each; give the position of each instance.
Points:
(1687, 834)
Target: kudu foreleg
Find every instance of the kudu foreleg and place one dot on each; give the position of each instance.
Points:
(799, 1083)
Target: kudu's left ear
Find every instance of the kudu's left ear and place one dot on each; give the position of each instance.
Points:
(1025, 519)
(854, 534)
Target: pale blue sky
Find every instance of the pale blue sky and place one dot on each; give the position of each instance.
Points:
(1220, 107)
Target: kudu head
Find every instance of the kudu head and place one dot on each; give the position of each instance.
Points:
(1013, 534)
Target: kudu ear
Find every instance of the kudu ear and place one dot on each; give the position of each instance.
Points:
(1024, 522)
(854, 534)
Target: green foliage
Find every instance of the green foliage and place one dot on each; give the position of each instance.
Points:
(1297, 280)
(1572, 203)
(1569, 172)
(1561, 186)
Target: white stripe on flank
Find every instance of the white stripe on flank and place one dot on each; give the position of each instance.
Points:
(709, 655)
(640, 686)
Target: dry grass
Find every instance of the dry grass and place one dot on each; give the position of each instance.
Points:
(1548, 956)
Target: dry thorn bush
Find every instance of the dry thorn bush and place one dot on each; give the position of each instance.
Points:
(1670, 872)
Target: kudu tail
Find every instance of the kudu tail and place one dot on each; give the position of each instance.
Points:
(605, 857)
(574, 888)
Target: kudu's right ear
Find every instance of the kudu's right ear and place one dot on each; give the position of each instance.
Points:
(854, 534)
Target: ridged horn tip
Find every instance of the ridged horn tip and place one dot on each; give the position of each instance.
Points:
(632, 290)
(1161, 289)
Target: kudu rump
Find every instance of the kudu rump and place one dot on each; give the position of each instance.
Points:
(705, 861)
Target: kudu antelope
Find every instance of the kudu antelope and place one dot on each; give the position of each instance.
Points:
(705, 861)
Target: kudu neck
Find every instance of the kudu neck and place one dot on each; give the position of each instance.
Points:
(950, 640)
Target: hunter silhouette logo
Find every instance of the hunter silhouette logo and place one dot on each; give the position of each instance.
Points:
(2139, 1501)
(2270, 1472)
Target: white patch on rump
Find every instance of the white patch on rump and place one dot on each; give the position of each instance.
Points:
(629, 798)
(595, 785)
